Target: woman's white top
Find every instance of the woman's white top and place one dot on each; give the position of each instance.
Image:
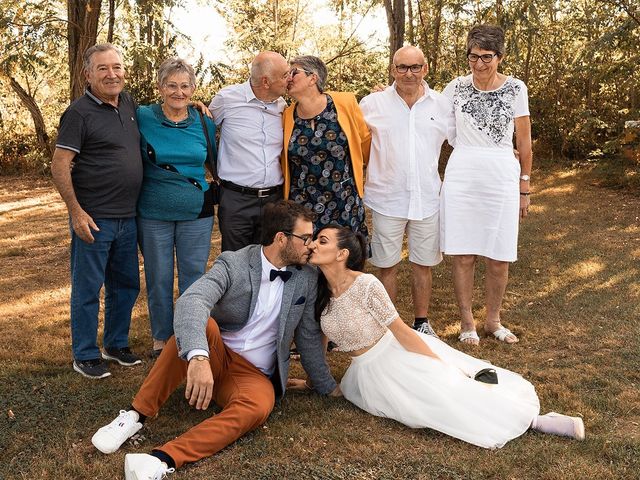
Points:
(369, 309)
(485, 118)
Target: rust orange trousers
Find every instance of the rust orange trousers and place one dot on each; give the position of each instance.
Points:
(245, 395)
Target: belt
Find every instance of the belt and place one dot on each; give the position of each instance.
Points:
(255, 192)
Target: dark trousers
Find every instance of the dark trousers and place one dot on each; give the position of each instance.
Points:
(240, 217)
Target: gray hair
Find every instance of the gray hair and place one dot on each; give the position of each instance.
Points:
(262, 67)
(100, 47)
(312, 64)
(173, 65)
(486, 37)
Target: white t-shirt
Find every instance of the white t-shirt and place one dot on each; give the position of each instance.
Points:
(485, 118)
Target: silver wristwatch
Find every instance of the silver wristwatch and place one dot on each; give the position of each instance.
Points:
(525, 178)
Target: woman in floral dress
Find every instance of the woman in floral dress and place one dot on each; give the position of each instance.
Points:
(326, 147)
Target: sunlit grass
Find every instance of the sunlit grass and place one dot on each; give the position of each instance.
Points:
(573, 299)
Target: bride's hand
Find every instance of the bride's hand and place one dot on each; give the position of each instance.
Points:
(297, 384)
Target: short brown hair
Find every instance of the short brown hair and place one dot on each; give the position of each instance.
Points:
(486, 37)
(281, 216)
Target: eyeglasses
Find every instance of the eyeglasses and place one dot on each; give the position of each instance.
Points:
(405, 68)
(307, 239)
(295, 71)
(486, 58)
(174, 87)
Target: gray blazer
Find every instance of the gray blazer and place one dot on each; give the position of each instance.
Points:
(229, 292)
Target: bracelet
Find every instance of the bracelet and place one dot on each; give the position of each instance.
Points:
(526, 194)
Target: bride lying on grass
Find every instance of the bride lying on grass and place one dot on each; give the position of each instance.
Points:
(411, 377)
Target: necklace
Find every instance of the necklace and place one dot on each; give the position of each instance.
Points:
(175, 118)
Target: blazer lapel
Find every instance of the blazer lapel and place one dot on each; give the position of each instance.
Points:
(287, 300)
(255, 274)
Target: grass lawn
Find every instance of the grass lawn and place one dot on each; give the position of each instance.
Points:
(573, 300)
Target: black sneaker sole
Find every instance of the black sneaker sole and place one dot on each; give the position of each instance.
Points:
(106, 356)
(93, 377)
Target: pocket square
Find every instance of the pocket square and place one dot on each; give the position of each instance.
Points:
(300, 301)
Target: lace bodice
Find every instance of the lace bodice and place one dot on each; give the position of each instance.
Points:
(358, 318)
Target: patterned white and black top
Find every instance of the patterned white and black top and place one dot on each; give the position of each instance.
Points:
(485, 118)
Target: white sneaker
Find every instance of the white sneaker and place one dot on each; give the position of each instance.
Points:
(109, 438)
(141, 466)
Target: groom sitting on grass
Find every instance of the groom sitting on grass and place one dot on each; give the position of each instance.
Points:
(233, 329)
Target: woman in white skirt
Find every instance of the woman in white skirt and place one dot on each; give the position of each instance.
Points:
(486, 189)
(411, 377)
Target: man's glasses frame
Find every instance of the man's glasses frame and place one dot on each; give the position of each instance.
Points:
(307, 239)
(415, 68)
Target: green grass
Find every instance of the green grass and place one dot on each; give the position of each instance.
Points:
(573, 299)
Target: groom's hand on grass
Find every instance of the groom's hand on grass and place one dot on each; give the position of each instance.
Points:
(199, 384)
(297, 384)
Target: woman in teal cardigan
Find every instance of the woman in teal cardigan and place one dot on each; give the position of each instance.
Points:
(175, 207)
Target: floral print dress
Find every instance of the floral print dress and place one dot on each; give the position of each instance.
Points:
(321, 171)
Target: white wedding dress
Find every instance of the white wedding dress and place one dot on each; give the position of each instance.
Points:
(417, 390)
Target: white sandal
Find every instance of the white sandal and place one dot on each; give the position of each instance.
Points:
(469, 335)
(502, 333)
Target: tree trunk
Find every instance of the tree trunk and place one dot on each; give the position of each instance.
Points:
(499, 12)
(434, 50)
(38, 120)
(82, 32)
(395, 22)
(411, 34)
(527, 61)
(112, 20)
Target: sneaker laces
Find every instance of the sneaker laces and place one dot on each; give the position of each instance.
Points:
(162, 472)
(122, 420)
(426, 328)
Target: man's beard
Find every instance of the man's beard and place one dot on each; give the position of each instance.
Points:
(290, 256)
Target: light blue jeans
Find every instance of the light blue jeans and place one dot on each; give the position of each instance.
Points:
(190, 240)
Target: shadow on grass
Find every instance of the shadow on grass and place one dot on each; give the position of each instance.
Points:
(572, 299)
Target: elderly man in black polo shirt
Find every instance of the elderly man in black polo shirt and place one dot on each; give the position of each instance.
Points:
(97, 169)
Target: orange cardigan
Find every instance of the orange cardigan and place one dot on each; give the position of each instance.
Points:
(352, 123)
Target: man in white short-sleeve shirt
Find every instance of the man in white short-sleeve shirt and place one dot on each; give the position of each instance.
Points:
(409, 123)
(249, 116)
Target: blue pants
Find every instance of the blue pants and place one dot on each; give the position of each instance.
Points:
(112, 261)
(191, 241)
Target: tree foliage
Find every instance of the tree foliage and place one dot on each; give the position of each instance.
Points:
(578, 58)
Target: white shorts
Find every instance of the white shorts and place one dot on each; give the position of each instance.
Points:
(423, 238)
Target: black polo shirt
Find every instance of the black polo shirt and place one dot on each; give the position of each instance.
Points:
(107, 168)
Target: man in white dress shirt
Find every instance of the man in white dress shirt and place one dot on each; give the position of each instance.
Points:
(249, 116)
(261, 297)
(409, 123)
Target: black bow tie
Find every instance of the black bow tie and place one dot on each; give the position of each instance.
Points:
(283, 274)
